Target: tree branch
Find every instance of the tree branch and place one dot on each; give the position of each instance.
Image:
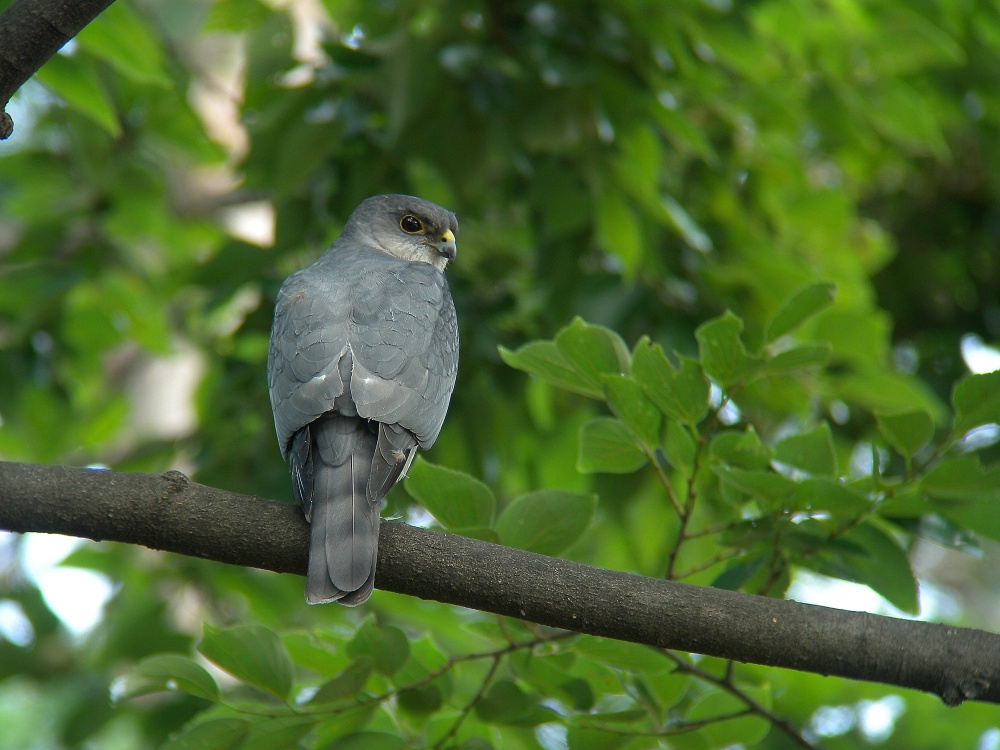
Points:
(31, 31)
(169, 512)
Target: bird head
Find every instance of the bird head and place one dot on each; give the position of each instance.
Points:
(406, 227)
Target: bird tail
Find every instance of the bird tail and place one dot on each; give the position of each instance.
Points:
(343, 546)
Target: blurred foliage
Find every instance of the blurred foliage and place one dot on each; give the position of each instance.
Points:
(738, 247)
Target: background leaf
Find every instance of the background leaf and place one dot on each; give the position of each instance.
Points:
(546, 521)
(812, 451)
(679, 392)
(629, 403)
(883, 566)
(252, 654)
(544, 360)
(386, 647)
(907, 432)
(121, 37)
(215, 734)
(607, 445)
(593, 351)
(977, 401)
(455, 499)
(75, 81)
(168, 672)
(722, 352)
(798, 308)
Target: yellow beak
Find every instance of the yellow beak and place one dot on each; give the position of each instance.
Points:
(446, 245)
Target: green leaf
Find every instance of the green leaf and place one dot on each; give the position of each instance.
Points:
(685, 225)
(721, 350)
(278, 734)
(798, 308)
(546, 521)
(888, 393)
(167, 672)
(74, 80)
(914, 44)
(907, 432)
(299, 156)
(811, 451)
(977, 401)
(948, 534)
(813, 354)
(900, 113)
(544, 360)
(455, 499)
(744, 450)
(686, 134)
(618, 230)
(215, 734)
(745, 730)
(123, 39)
(308, 651)
(235, 15)
(680, 393)
(638, 160)
(387, 647)
(883, 566)
(430, 182)
(678, 446)
(549, 675)
(627, 716)
(586, 738)
(621, 655)
(857, 335)
(504, 703)
(371, 741)
(829, 495)
(629, 403)
(593, 351)
(425, 657)
(345, 685)
(736, 574)
(981, 517)
(251, 653)
(908, 503)
(763, 484)
(420, 700)
(608, 446)
(668, 689)
(963, 478)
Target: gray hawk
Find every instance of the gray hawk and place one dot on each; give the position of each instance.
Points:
(360, 370)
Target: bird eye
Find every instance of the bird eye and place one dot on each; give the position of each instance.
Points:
(411, 224)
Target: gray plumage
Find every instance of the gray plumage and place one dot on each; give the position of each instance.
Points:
(361, 367)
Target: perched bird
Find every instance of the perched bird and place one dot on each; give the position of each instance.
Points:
(360, 370)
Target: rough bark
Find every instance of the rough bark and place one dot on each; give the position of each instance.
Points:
(168, 512)
(31, 31)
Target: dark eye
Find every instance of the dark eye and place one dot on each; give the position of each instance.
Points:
(411, 224)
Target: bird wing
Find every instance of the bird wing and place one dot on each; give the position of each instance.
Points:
(309, 338)
(395, 322)
(404, 339)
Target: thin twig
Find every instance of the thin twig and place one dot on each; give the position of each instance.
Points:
(454, 660)
(721, 557)
(664, 479)
(726, 683)
(471, 704)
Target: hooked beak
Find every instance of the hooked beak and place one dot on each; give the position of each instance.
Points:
(446, 245)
